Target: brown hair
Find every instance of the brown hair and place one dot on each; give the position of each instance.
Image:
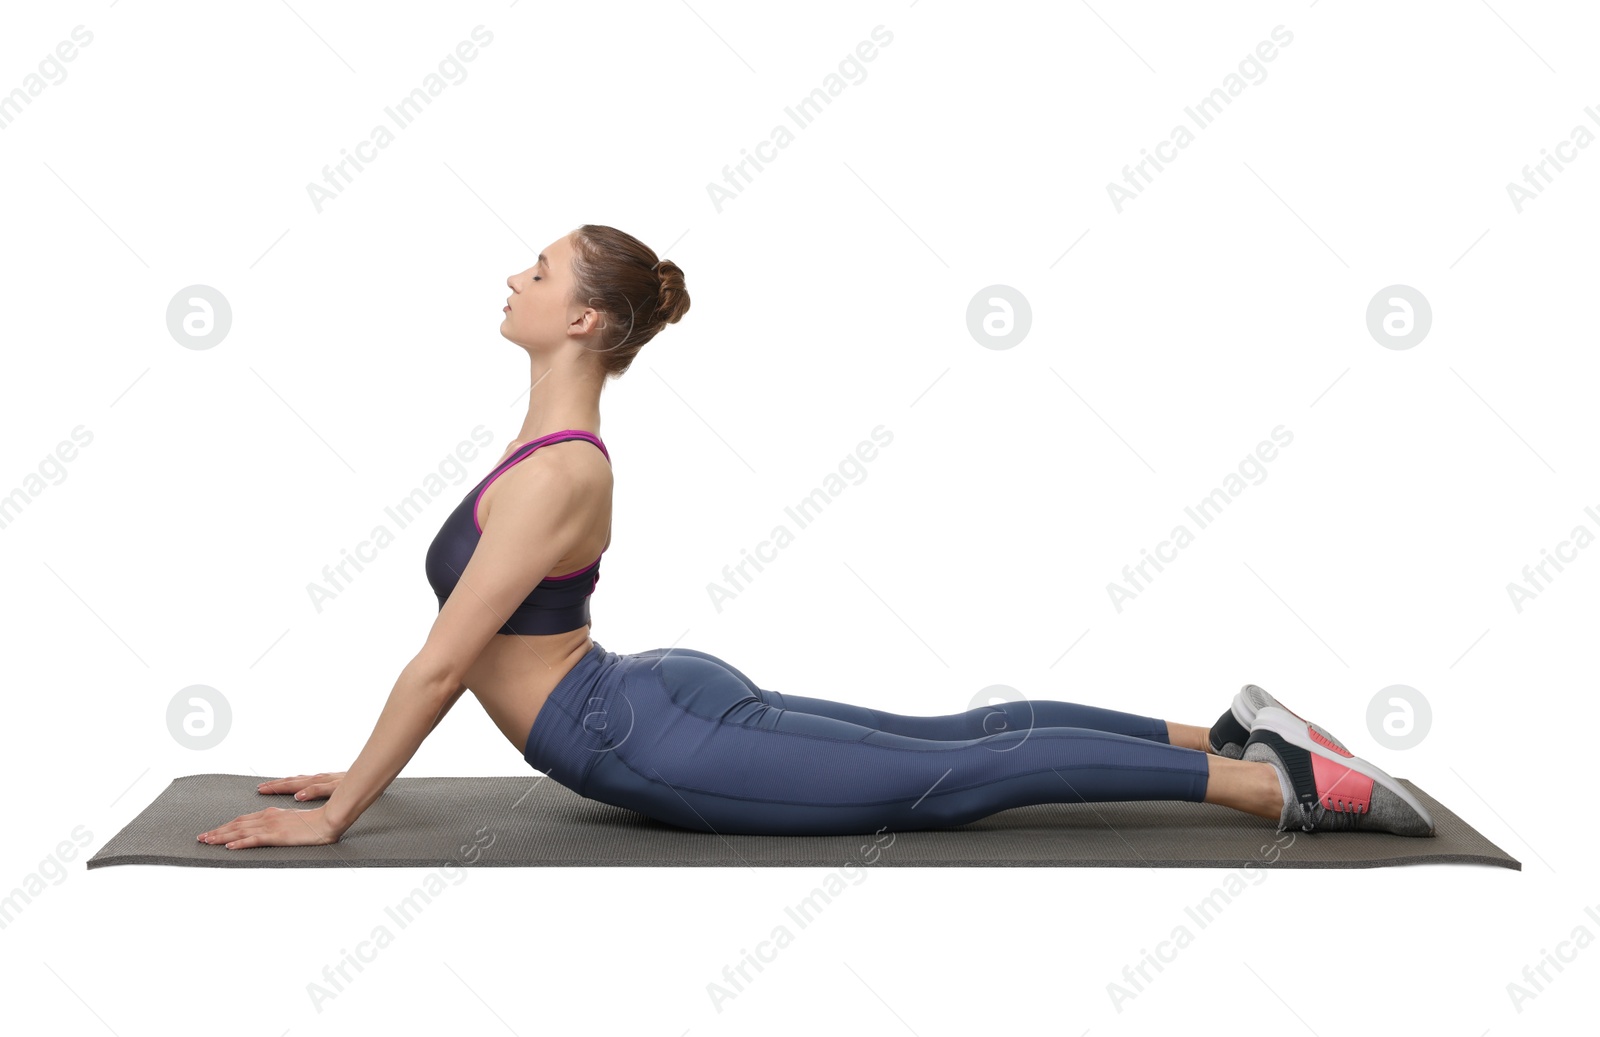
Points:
(637, 293)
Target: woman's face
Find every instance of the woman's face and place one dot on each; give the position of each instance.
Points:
(540, 309)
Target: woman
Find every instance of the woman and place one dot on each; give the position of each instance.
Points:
(684, 737)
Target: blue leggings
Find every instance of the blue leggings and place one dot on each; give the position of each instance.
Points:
(687, 739)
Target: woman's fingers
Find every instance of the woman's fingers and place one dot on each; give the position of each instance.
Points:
(236, 830)
(236, 826)
(280, 786)
(274, 826)
(321, 787)
(276, 786)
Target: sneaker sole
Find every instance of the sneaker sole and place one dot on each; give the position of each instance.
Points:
(1298, 732)
(1251, 700)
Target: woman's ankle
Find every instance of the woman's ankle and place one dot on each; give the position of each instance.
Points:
(1188, 736)
(1250, 786)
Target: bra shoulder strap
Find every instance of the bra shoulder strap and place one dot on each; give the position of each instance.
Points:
(527, 449)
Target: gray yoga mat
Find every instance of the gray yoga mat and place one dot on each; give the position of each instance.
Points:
(534, 822)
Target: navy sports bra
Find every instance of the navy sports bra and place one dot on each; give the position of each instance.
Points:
(558, 603)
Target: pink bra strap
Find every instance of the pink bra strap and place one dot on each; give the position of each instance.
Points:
(522, 453)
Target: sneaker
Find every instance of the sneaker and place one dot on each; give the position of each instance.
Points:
(1325, 789)
(1232, 729)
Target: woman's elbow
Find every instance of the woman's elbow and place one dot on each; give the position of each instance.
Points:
(434, 674)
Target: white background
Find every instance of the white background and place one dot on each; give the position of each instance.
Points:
(829, 297)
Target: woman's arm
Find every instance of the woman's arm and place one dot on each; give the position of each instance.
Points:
(539, 517)
(308, 786)
(416, 704)
(446, 707)
(419, 699)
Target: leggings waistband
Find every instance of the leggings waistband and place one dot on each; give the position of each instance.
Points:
(575, 727)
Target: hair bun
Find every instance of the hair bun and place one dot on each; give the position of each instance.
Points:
(674, 298)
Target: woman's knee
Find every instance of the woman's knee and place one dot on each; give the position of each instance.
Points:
(994, 719)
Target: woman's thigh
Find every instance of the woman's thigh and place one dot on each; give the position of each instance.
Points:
(1021, 715)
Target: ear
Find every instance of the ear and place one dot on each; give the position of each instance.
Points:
(587, 322)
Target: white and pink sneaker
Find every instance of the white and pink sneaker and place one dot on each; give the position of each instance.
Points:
(1325, 788)
(1232, 729)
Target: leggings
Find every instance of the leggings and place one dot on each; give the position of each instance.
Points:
(685, 738)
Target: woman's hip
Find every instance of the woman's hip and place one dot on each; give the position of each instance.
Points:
(646, 705)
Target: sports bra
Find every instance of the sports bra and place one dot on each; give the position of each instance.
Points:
(558, 603)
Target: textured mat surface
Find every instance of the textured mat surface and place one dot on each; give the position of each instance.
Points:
(534, 822)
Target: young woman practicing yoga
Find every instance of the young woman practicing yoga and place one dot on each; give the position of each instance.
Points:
(688, 739)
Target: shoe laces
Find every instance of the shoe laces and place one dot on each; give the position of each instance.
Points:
(1344, 816)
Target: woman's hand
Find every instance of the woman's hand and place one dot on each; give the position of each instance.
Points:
(304, 786)
(275, 826)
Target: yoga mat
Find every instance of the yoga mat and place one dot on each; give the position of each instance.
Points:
(532, 821)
